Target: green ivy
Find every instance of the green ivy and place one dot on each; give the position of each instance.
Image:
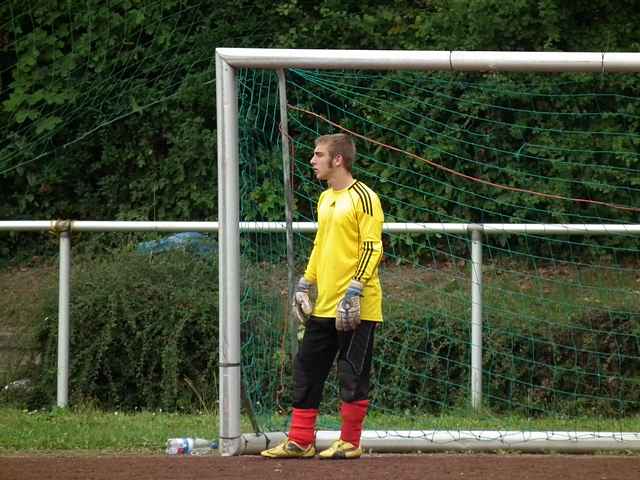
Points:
(108, 111)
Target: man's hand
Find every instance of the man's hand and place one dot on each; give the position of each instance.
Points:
(302, 306)
(348, 312)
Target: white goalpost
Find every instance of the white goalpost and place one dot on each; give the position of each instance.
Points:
(228, 60)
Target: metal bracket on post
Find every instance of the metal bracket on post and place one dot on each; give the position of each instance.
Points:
(62, 228)
(476, 315)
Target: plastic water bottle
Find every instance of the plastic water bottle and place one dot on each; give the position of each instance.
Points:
(188, 446)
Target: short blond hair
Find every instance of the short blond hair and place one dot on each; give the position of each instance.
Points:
(340, 144)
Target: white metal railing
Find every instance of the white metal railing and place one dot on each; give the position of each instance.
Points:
(309, 227)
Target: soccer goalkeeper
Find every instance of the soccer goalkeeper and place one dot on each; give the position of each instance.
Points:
(344, 268)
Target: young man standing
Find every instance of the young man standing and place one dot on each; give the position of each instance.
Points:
(344, 267)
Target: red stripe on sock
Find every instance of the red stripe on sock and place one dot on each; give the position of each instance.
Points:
(303, 426)
(353, 414)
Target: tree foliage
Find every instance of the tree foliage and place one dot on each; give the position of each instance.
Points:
(108, 109)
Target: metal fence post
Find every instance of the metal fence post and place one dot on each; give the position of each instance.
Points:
(63, 319)
(476, 317)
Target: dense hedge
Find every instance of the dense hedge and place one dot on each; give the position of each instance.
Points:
(145, 336)
(143, 328)
(589, 367)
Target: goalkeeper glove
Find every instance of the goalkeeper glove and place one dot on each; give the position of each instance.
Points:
(348, 312)
(302, 306)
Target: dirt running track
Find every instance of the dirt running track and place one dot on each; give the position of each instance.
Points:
(387, 467)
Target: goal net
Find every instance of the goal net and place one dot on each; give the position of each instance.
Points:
(543, 167)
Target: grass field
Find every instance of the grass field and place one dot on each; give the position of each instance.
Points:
(90, 430)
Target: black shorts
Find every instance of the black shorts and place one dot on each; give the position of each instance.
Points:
(317, 353)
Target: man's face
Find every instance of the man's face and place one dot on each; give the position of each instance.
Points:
(322, 162)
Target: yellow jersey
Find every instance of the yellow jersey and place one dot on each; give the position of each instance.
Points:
(348, 246)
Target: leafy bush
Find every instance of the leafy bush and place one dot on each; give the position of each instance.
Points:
(589, 367)
(543, 367)
(145, 335)
(143, 328)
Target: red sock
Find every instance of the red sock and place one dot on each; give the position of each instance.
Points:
(303, 426)
(353, 414)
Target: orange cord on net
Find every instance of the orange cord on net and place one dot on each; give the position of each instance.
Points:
(460, 174)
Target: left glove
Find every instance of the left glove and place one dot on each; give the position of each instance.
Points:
(348, 311)
(302, 306)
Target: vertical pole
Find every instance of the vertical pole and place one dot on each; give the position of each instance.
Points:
(289, 206)
(476, 318)
(63, 319)
(222, 276)
(229, 258)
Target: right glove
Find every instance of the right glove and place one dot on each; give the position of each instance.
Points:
(302, 306)
(348, 311)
